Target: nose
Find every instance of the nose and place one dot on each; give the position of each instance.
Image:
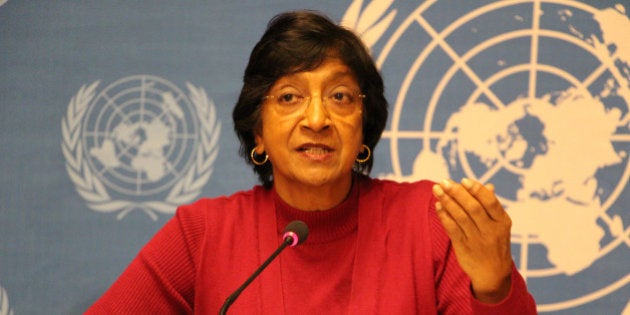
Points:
(316, 116)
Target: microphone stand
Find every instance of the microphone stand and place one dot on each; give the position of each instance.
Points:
(230, 299)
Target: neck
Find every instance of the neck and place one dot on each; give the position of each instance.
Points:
(314, 197)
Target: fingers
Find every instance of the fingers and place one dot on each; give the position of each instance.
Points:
(456, 206)
(453, 229)
(470, 204)
(486, 197)
(490, 187)
(479, 229)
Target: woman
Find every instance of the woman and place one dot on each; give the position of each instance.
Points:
(308, 117)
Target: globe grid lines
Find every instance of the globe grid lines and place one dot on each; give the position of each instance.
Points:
(534, 67)
(122, 89)
(395, 133)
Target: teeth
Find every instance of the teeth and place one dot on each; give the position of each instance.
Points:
(315, 150)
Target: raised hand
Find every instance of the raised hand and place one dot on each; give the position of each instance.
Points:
(479, 229)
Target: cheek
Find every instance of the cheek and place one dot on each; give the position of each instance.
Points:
(358, 127)
(354, 133)
(266, 123)
(275, 130)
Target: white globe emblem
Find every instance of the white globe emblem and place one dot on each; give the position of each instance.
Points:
(530, 95)
(139, 133)
(141, 143)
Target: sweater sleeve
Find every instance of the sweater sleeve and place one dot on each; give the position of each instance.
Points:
(160, 279)
(453, 287)
(518, 301)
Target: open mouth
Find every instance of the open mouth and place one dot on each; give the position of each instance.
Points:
(315, 149)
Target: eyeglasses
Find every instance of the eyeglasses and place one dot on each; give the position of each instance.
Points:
(338, 103)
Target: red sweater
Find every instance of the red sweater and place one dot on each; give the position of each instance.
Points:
(382, 251)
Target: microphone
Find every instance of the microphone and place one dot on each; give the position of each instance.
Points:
(295, 233)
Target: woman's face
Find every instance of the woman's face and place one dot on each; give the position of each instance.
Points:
(312, 126)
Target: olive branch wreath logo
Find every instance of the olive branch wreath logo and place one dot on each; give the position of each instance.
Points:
(369, 23)
(5, 309)
(183, 191)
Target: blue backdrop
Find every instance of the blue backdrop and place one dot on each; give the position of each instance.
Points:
(114, 112)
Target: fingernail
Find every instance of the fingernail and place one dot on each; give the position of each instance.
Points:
(490, 187)
(446, 183)
(467, 183)
(437, 190)
(438, 206)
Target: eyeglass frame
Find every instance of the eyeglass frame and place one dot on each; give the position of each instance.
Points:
(306, 100)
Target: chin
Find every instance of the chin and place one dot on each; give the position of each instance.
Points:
(320, 178)
(315, 181)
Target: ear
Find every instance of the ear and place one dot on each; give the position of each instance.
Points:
(260, 147)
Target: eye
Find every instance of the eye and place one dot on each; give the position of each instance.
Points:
(289, 99)
(342, 98)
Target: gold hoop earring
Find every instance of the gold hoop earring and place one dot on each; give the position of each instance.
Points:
(368, 155)
(252, 156)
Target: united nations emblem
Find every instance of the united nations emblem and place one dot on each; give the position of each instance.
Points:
(533, 96)
(139, 144)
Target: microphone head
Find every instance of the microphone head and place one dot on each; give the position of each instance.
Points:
(295, 233)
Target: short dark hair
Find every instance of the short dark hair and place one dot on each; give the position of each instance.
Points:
(300, 41)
